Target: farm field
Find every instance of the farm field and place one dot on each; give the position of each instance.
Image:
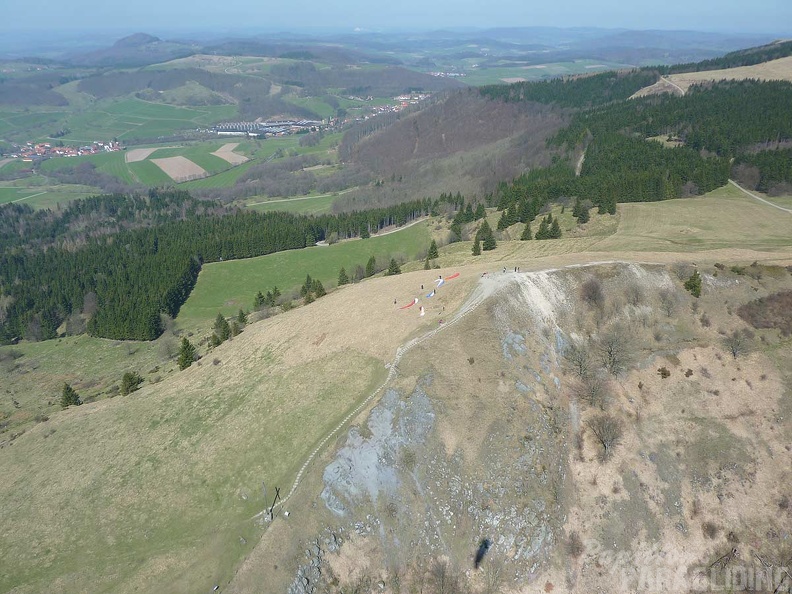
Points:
(45, 196)
(131, 119)
(507, 73)
(228, 286)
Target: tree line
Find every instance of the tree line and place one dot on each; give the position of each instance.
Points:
(121, 280)
(576, 91)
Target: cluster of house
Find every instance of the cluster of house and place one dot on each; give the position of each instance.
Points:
(448, 74)
(265, 129)
(42, 150)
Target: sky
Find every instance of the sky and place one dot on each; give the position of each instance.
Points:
(755, 16)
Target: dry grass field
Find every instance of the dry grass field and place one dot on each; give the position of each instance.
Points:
(180, 169)
(226, 152)
(780, 69)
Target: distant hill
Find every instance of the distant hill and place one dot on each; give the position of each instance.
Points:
(139, 49)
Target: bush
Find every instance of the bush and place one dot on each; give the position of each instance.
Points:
(130, 382)
(592, 294)
(773, 311)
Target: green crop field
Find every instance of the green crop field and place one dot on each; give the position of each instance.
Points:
(149, 174)
(129, 119)
(110, 163)
(496, 74)
(45, 196)
(223, 179)
(229, 286)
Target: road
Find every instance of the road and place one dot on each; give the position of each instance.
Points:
(759, 198)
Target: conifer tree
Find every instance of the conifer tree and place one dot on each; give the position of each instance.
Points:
(433, 253)
(544, 229)
(307, 286)
(526, 234)
(236, 329)
(371, 266)
(221, 327)
(258, 300)
(318, 289)
(480, 213)
(365, 233)
(693, 284)
(487, 237)
(555, 229)
(427, 266)
(477, 247)
(186, 354)
(69, 397)
(343, 279)
(242, 317)
(503, 221)
(393, 267)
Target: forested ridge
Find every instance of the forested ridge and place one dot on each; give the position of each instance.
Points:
(122, 279)
(716, 123)
(578, 91)
(724, 117)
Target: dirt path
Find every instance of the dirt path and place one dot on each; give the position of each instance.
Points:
(673, 84)
(759, 198)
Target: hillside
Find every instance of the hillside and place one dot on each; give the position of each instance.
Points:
(465, 143)
(172, 484)
(780, 69)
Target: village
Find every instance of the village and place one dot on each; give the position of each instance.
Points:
(44, 150)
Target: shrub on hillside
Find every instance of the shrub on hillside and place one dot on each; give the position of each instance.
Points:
(773, 311)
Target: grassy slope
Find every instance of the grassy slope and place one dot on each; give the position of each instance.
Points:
(723, 218)
(228, 286)
(164, 489)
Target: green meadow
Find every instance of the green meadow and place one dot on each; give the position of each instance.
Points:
(228, 286)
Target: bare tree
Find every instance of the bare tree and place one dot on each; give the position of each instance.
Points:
(634, 293)
(578, 356)
(592, 388)
(443, 579)
(669, 300)
(738, 342)
(615, 349)
(494, 573)
(608, 431)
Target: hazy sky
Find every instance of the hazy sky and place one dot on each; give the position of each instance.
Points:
(766, 16)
